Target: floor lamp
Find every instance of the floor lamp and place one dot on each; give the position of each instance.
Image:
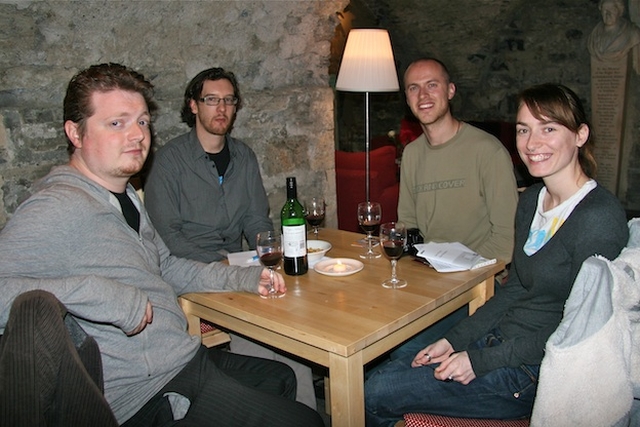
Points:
(367, 66)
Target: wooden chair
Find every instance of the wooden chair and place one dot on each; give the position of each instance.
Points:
(428, 420)
(210, 335)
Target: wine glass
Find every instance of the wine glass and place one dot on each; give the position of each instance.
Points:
(393, 236)
(269, 251)
(369, 216)
(314, 213)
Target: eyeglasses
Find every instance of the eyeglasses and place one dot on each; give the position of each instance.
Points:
(212, 101)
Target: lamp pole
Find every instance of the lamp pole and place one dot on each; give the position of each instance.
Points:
(367, 147)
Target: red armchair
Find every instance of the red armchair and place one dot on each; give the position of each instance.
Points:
(350, 184)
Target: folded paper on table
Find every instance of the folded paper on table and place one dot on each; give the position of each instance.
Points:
(243, 259)
(452, 256)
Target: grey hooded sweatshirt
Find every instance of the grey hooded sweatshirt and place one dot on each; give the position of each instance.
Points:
(71, 239)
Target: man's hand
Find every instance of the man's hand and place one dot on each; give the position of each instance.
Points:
(148, 318)
(265, 280)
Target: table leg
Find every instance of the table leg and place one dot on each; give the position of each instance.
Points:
(486, 291)
(346, 390)
(193, 321)
(212, 338)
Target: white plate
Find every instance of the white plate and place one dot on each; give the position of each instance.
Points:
(328, 267)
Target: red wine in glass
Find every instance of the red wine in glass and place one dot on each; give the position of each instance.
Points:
(393, 248)
(315, 220)
(393, 236)
(269, 250)
(369, 216)
(370, 226)
(271, 259)
(314, 213)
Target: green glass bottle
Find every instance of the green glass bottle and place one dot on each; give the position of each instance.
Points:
(294, 232)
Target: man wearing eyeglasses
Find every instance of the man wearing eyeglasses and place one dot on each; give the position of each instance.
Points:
(204, 190)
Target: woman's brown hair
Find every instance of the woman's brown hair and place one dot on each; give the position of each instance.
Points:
(560, 104)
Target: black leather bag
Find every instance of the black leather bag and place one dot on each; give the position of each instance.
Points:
(413, 237)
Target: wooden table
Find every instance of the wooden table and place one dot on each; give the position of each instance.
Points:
(345, 322)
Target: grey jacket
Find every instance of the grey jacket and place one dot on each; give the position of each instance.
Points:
(590, 374)
(71, 239)
(197, 216)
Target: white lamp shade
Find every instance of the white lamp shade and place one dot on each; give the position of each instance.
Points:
(367, 64)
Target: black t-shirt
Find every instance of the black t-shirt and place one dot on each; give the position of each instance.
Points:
(221, 160)
(129, 210)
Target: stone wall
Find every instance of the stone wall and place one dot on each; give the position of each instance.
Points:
(494, 49)
(279, 51)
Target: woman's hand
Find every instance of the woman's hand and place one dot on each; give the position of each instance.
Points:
(434, 353)
(265, 280)
(457, 367)
(148, 318)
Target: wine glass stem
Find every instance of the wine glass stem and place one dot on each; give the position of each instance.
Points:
(369, 238)
(393, 270)
(271, 287)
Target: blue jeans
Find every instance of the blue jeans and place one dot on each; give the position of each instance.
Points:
(430, 335)
(397, 388)
(433, 333)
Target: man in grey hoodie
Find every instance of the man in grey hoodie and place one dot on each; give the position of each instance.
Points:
(85, 237)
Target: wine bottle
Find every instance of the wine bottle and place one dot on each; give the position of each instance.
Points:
(294, 232)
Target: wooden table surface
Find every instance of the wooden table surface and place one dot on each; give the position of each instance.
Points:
(345, 322)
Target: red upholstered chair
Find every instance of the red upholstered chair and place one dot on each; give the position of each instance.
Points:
(410, 130)
(428, 420)
(350, 184)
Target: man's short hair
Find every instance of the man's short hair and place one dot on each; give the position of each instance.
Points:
(447, 74)
(194, 91)
(101, 78)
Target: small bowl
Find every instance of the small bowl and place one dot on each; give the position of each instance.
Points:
(316, 250)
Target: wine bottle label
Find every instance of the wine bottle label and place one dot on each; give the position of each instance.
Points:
(294, 241)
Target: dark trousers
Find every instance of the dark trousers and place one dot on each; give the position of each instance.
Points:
(50, 369)
(228, 389)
